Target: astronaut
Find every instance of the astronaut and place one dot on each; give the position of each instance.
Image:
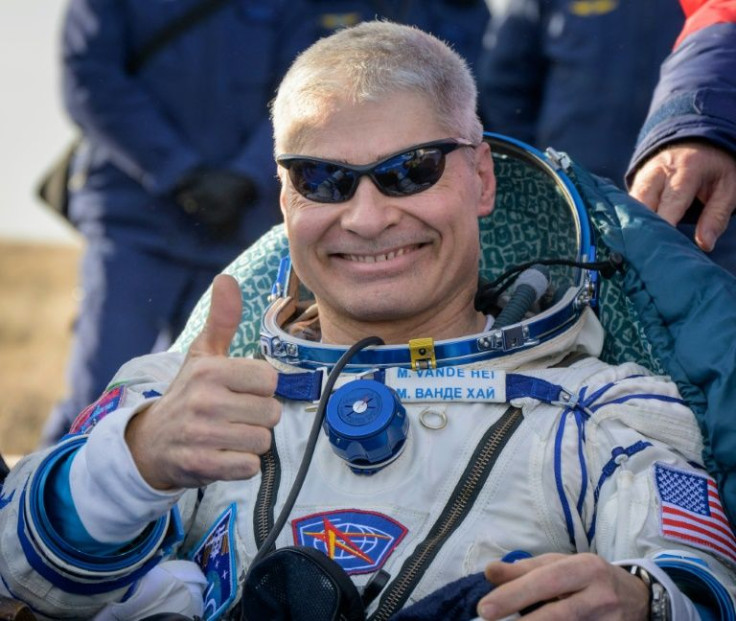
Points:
(422, 447)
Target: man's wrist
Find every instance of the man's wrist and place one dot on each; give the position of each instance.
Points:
(114, 502)
(659, 600)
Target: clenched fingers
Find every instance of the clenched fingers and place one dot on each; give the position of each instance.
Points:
(556, 586)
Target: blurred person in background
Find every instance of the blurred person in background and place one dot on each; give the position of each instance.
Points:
(576, 75)
(687, 146)
(174, 176)
(168, 182)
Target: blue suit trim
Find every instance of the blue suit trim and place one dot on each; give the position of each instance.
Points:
(305, 386)
(60, 581)
(709, 596)
(525, 386)
(626, 398)
(33, 506)
(559, 482)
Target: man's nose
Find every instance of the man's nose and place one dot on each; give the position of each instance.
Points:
(369, 212)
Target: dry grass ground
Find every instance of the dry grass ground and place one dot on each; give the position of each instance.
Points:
(39, 298)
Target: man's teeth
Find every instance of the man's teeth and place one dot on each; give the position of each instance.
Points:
(377, 258)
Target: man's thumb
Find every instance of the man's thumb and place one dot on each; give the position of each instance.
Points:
(224, 317)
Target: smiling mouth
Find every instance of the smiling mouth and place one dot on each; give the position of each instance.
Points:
(379, 258)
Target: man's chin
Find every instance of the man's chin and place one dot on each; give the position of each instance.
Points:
(374, 305)
(382, 315)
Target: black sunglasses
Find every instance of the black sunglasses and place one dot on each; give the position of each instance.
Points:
(401, 174)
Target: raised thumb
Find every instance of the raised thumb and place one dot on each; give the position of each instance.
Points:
(224, 317)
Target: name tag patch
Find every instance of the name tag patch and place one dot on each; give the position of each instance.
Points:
(448, 384)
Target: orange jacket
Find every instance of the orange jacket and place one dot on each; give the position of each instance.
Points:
(703, 13)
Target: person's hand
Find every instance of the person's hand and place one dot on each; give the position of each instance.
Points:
(215, 198)
(669, 182)
(216, 417)
(578, 586)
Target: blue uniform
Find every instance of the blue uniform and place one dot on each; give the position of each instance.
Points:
(695, 100)
(200, 101)
(462, 23)
(576, 76)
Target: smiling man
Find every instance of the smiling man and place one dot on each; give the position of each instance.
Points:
(464, 483)
(378, 263)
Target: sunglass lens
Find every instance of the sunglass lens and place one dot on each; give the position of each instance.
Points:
(321, 181)
(411, 172)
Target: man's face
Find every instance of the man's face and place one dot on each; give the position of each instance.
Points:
(400, 267)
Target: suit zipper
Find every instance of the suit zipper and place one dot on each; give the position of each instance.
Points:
(458, 506)
(263, 510)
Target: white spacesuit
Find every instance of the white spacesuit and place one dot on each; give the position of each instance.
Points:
(541, 450)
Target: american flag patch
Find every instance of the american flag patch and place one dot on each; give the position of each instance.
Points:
(691, 511)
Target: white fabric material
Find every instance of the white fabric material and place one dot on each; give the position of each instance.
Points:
(518, 507)
(172, 586)
(113, 501)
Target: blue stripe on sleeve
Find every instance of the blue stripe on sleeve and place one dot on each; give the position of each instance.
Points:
(63, 516)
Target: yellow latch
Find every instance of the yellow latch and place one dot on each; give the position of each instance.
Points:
(422, 354)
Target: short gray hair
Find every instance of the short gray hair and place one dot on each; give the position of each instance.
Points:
(370, 61)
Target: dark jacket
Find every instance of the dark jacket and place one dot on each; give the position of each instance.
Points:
(576, 76)
(201, 101)
(696, 95)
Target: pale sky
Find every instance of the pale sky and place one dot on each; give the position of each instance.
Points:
(33, 126)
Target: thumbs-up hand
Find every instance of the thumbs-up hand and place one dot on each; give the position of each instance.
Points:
(216, 417)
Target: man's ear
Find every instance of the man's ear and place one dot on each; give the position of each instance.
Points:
(280, 173)
(486, 179)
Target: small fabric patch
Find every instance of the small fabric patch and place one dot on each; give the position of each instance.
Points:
(216, 558)
(94, 413)
(691, 511)
(359, 541)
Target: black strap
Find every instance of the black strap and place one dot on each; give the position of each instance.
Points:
(171, 31)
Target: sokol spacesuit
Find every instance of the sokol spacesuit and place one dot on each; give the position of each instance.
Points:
(596, 458)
